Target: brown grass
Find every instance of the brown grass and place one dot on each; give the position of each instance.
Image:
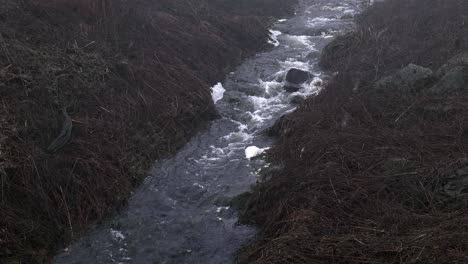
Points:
(393, 34)
(135, 76)
(361, 173)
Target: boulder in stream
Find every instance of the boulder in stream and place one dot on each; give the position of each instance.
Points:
(294, 79)
(297, 76)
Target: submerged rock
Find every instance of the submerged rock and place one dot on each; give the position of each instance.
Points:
(411, 78)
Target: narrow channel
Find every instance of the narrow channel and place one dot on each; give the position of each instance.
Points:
(179, 214)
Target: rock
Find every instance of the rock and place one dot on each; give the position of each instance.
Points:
(280, 126)
(297, 99)
(454, 80)
(296, 76)
(457, 60)
(291, 88)
(409, 79)
(453, 75)
(458, 184)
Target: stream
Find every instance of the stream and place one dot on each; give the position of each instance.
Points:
(179, 213)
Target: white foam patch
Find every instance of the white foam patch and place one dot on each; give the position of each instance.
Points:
(282, 20)
(199, 185)
(238, 136)
(222, 208)
(313, 88)
(217, 92)
(253, 151)
(337, 8)
(241, 127)
(117, 235)
(257, 117)
(304, 40)
(217, 151)
(274, 37)
(316, 85)
(326, 35)
(301, 40)
(319, 21)
(293, 63)
(269, 86)
(278, 75)
(258, 102)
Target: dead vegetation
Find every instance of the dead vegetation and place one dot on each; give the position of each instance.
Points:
(365, 176)
(395, 33)
(91, 93)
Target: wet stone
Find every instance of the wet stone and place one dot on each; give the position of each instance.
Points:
(297, 99)
(297, 76)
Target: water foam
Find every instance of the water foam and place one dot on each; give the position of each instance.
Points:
(274, 37)
(253, 151)
(319, 21)
(217, 92)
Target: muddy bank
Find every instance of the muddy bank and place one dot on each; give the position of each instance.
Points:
(373, 169)
(92, 92)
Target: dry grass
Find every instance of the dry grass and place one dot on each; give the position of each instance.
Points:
(135, 79)
(362, 174)
(393, 34)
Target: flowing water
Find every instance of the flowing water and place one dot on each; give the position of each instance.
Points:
(179, 214)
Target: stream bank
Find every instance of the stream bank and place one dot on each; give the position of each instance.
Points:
(92, 92)
(373, 169)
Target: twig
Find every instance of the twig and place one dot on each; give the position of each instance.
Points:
(5, 49)
(3, 179)
(336, 195)
(68, 212)
(404, 112)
